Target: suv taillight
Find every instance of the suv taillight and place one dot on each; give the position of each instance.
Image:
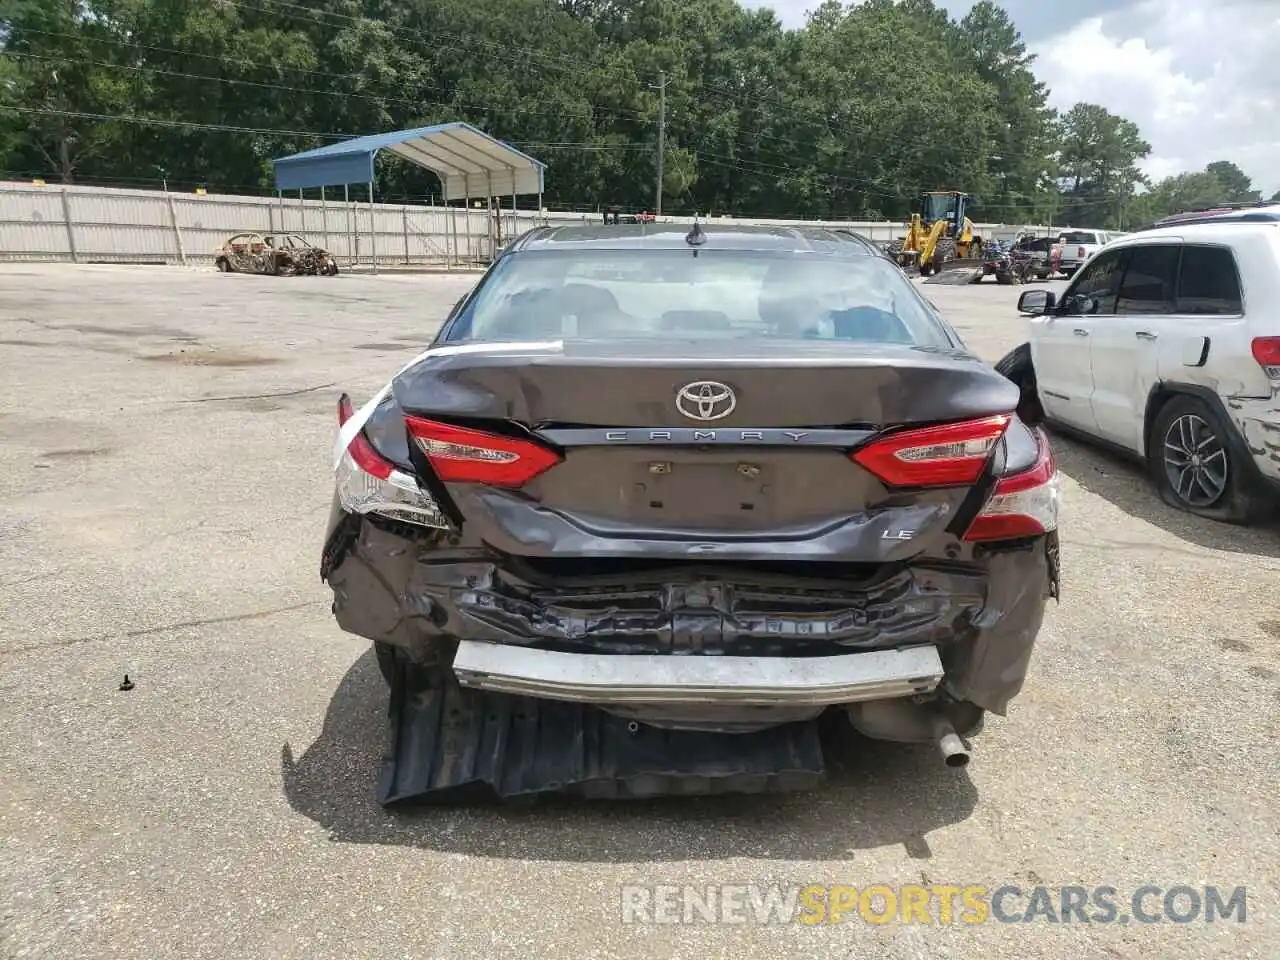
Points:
(462, 455)
(1266, 350)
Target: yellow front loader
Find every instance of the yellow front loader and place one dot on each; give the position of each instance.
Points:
(941, 240)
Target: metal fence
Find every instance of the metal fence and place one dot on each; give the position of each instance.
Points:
(107, 225)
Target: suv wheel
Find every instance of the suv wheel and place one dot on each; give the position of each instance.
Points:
(1194, 465)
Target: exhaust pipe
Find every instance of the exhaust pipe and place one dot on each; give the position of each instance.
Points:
(954, 752)
(903, 721)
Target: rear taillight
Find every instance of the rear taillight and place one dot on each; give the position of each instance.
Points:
(360, 449)
(1266, 350)
(369, 483)
(1022, 505)
(462, 455)
(949, 455)
(1080, 253)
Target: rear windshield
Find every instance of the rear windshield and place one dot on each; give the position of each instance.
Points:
(718, 294)
(1079, 238)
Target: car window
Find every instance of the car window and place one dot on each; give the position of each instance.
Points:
(1094, 291)
(1080, 236)
(1208, 282)
(1149, 280)
(715, 294)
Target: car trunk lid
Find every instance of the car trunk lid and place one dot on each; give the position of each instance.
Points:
(620, 448)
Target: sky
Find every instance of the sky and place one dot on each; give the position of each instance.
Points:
(1200, 78)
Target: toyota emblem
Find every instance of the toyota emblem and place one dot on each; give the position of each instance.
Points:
(705, 400)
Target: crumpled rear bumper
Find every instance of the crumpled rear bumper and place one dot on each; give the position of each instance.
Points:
(645, 639)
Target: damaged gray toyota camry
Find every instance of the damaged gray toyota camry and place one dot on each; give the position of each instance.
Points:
(657, 498)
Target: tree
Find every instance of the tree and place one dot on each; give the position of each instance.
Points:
(850, 116)
(1098, 161)
(1023, 141)
(1237, 186)
(1218, 183)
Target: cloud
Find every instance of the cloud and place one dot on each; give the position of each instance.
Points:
(1200, 78)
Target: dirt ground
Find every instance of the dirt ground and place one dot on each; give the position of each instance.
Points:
(164, 482)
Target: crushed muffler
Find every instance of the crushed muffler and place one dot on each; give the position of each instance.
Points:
(905, 720)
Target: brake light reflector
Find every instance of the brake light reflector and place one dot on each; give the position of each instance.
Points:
(369, 483)
(1266, 350)
(360, 449)
(948, 455)
(1022, 505)
(462, 455)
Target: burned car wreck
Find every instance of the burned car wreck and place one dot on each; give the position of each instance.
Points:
(275, 255)
(633, 552)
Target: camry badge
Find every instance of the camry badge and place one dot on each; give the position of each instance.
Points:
(706, 400)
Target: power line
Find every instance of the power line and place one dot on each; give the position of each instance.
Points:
(241, 61)
(859, 183)
(572, 65)
(262, 85)
(793, 177)
(264, 131)
(190, 124)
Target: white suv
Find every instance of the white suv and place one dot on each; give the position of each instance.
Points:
(1167, 345)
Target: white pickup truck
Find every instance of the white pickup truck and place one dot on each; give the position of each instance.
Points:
(1079, 245)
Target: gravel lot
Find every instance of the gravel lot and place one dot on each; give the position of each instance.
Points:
(164, 445)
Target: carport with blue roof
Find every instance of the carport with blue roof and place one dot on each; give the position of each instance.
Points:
(468, 162)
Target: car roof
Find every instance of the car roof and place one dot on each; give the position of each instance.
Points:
(1204, 231)
(1267, 213)
(671, 236)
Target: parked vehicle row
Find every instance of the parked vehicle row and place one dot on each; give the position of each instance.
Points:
(1042, 258)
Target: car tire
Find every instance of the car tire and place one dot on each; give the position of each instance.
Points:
(1016, 366)
(222, 265)
(1187, 427)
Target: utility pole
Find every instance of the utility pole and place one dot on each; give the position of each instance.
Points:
(662, 135)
